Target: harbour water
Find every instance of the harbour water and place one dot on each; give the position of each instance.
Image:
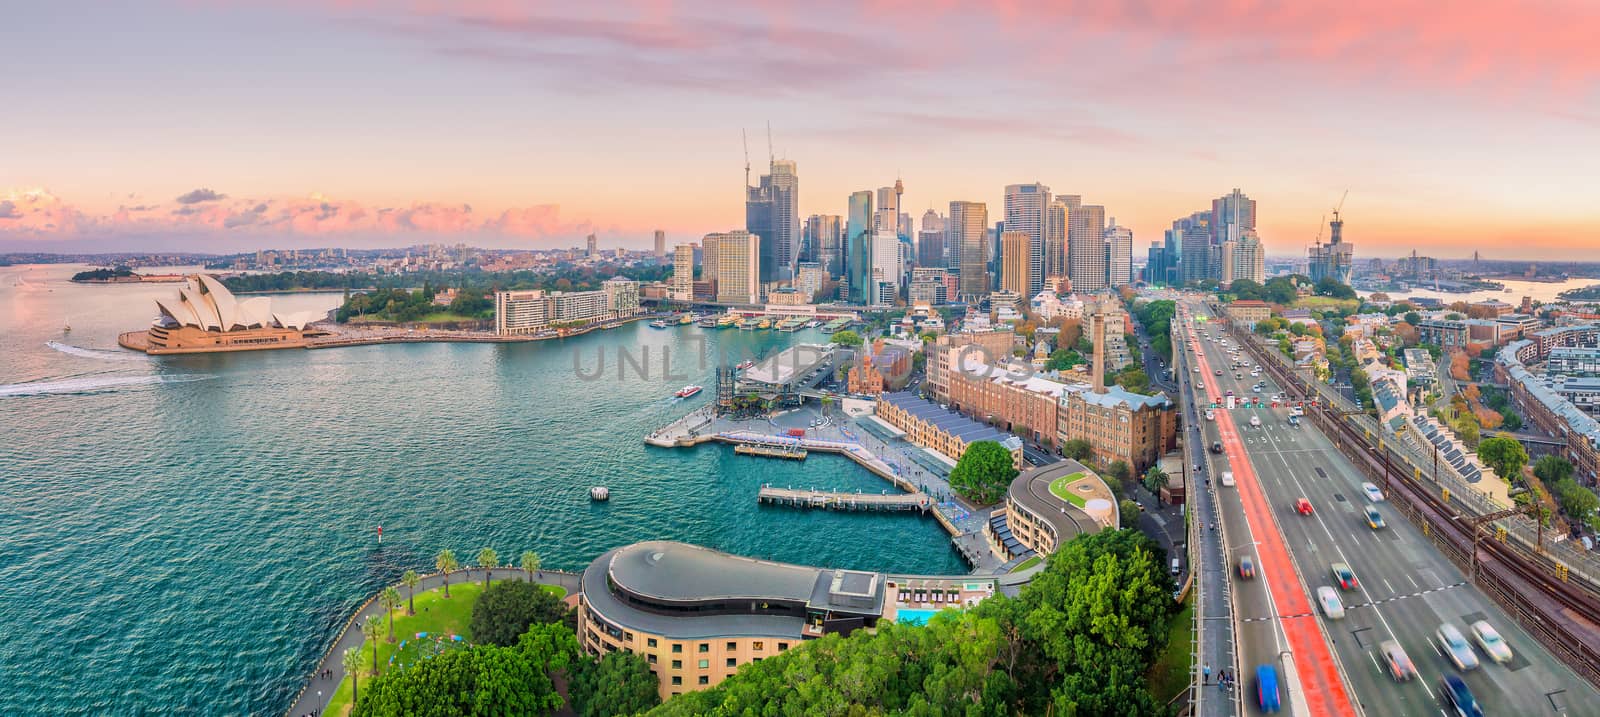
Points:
(186, 533)
(1537, 290)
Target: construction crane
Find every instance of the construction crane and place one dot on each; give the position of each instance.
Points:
(770, 156)
(1340, 206)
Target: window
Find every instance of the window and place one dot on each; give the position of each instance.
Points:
(705, 679)
(677, 664)
(732, 646)
(627, 637)
(677, 680)
(705, 664)
(676, 647)
(783, 646)
(650, 642)
(758, 645)
(733, 662)
(651, 658)
(705, 647)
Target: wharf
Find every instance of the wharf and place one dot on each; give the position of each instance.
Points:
(753, 449)
(829, 500)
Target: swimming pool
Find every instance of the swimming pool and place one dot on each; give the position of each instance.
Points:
(913, 616)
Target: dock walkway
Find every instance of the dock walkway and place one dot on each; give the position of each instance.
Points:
(830, 500)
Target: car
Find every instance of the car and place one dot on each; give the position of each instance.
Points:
(1200, 385)
(1297, 411)
(1490, 641)
(1456, 647)
(1460, 697)
(1247, 568)
(1302, 506)
(1375, 519)
(1294, 421)
(1400, 666)
(1345, 577)
(1267, 697)
(1256, 389)
(1373, 494)
(1216, 446)
(1255, 421)
(1211, 415)
(1328, 599)
(1218, 372)
(1227, 479)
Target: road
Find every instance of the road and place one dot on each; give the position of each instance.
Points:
(1407, 589)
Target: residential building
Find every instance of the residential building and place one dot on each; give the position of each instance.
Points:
(661, 246)
(738, 268)
(1086, 248)
(520, 312)
(1119, 255)
(683, 272)
(568, 307)
(1335, 259)
(1246, 258)
(594, 246)
(622, 295)
(1573, 361)
(969, 246)
(1443, 333)
(1015, 262)
(1037, 520)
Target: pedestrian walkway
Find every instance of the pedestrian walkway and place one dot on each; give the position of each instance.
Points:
(318, 689)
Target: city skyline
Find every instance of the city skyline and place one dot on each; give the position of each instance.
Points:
(327, 145)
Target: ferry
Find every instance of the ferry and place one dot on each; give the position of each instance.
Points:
(745, 364)
(727, 321)
(813, 324)
(687, 319)
(687, 391)
(658, 324)
(791, 324)
(764, 324)
(707, 322)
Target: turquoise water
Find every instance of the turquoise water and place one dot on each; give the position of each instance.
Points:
(915, 616)
(187, 533)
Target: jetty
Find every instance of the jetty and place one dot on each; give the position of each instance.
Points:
(829, 500)
(771, 451)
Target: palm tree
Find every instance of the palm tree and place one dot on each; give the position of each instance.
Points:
(489, 560)
(445, 561)
(411, 580)
(391, 602)
(352, 665)
(371, 629)
(530, 563)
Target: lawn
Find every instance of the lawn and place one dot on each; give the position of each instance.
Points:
(1059, 488)
(1323, 303)
(1170, 674)
(438, 617)
(1024, 565)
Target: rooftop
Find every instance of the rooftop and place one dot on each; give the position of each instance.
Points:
(789, 365)
(949, 421)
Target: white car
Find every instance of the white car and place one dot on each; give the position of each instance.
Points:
(1255, 421)
(1373, 494)
(1490, 642)
(1211, 415)
(1197, 369)
(1456, 648)
(1332, 606)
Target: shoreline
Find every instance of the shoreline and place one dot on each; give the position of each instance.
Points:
(139, 340)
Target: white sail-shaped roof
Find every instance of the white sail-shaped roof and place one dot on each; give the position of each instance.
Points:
(222, 300)
(255, 313)
(204, 312)
(204, 303)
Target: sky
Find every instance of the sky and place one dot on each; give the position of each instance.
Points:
(230, 126)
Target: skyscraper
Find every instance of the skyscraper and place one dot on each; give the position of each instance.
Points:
(886, 260)
(1336, 258)
(1086, 247)
(1016, 262)
(1026, 212)
(968, 230)
(738, 269)
(887, 216)
(594, 246)
(1119, 255)
(785, 218)
(661, 245)
(1055, 239)
(858, 255)
(683, 272)
(1248, 257)
(1233, 208)
(1195, 240)
(930, 247)
(823, 241)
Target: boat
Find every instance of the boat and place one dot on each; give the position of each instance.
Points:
(727, 321)
(600, 493)
(745, 364)
(764, 324)
(687, 391)
(707, 322)
(686, 319)
(791, 324)
(813, 324)
(658, 324)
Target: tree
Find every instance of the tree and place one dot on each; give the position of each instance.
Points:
(1119, 470)
(508, 608)
(1128, 510)
(984, 472)
(411, 580)
(445, 561)
(478, 680)
(1077, 449)
(371, 629)
(1413, 318)
(530, 563)
(1133, 378)
(1505, 455)
(619, 683)
(352, 666)
(1155, 479)
(1578, 502)
(1553, 469)
(1062, 359)
(390, 599)
(847, 338)
(1330, 286)
(488, 560)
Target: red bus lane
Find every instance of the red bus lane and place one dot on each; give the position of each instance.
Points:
(1321, 686)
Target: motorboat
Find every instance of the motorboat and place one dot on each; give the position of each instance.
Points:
(688, 391)
(599, 493)
(745, 364)
(659, 324)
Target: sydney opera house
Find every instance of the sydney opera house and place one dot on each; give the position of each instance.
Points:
(205, 316)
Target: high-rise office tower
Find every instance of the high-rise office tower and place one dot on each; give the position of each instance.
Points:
(771, 212)
(1016, 262)
(930, 247)
(1119, 255)
(661, 245)
(932, 221)
(886, 256)
(594, 246)
(823, 239)
(738, 266)
(905, 227)
(858, 242)
(968, 230)
(1233, 208)
(682, 286)
(1194, 260)
(887, 216)
(1086, 247)
(1055, 239)
(1026, 206)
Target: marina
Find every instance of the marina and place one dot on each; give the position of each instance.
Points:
(754, 449)
(833, 500)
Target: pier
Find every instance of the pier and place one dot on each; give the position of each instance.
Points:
(828, 500)
(755, 449)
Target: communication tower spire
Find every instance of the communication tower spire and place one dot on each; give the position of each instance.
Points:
(743, 138)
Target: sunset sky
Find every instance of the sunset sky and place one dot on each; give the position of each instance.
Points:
(227, 126)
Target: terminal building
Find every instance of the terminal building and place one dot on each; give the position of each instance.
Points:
(697, 614)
